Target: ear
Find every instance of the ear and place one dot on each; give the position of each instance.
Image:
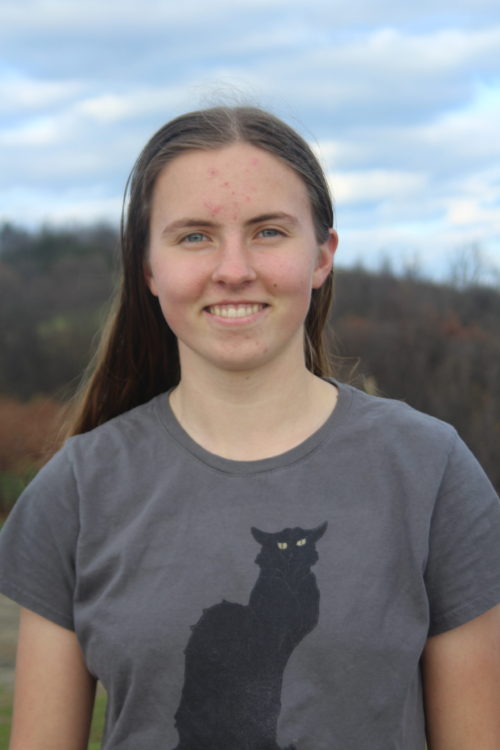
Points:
(149, 278)
(260, 536)
(324, 261)
(318, 532)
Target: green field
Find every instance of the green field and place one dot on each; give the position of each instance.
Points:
(5, 703)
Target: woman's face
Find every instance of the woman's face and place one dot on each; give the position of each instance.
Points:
(233, 257)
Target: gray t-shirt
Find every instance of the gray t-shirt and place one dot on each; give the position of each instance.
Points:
(230, 604)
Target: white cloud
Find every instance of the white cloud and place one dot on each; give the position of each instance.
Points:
(473, 203)
(469, 211)
(472, 132)
(34, 207)
(112, 108)
(376, 185)
(441, 50)
(37, 133)
(22, 94)
(53, 15)
(454, 142)
(387, 73)
(108, 108)
(118, 14)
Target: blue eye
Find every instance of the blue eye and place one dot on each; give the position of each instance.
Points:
(195, 237)
(269, 233)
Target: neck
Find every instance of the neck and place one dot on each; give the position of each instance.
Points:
(252, 415)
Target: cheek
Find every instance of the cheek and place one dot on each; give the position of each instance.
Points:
(174, 283)
(173, 298)
(177, 290)
(294, 278)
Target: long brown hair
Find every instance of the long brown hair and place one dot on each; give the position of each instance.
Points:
(138, 355)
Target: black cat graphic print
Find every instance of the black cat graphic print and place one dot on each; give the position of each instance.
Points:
(236, 655)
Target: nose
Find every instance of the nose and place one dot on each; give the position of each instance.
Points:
(234, 263)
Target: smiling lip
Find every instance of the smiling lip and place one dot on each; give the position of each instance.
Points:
(234, 310)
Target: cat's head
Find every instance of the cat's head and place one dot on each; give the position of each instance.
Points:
(288, 548)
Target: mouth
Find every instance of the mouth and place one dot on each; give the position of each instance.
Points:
(233, 310)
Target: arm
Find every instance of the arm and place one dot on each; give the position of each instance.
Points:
(54, 693)
(461, 676)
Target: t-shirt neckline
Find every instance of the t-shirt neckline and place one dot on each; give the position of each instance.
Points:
(177, 432)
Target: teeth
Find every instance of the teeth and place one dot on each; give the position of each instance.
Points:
(234, 311)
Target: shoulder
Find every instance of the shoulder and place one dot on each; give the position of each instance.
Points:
(130, 430)
(397, 438)
(93, 454)
(393, 422)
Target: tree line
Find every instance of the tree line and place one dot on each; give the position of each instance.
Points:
(435, 346)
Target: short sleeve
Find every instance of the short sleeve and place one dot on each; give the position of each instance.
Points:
(38, 544)
(463, 567)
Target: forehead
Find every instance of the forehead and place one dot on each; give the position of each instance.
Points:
(230, 171)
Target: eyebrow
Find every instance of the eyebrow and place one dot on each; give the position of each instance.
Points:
(189, 222)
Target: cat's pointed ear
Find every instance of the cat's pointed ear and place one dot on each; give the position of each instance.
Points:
(318, 532)
(260, 536)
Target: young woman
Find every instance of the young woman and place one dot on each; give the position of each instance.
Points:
(245, 552)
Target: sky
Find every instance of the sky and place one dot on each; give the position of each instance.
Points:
(400, 101)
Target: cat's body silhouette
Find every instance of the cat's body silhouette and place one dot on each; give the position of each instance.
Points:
(236, 655)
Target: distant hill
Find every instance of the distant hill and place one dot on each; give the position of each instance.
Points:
(435, 346)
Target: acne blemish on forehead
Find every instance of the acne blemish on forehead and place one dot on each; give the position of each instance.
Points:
(213, 208)
(255, 161)
(213, 172)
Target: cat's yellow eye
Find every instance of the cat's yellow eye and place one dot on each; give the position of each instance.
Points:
(282, 545)
(301, 542)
